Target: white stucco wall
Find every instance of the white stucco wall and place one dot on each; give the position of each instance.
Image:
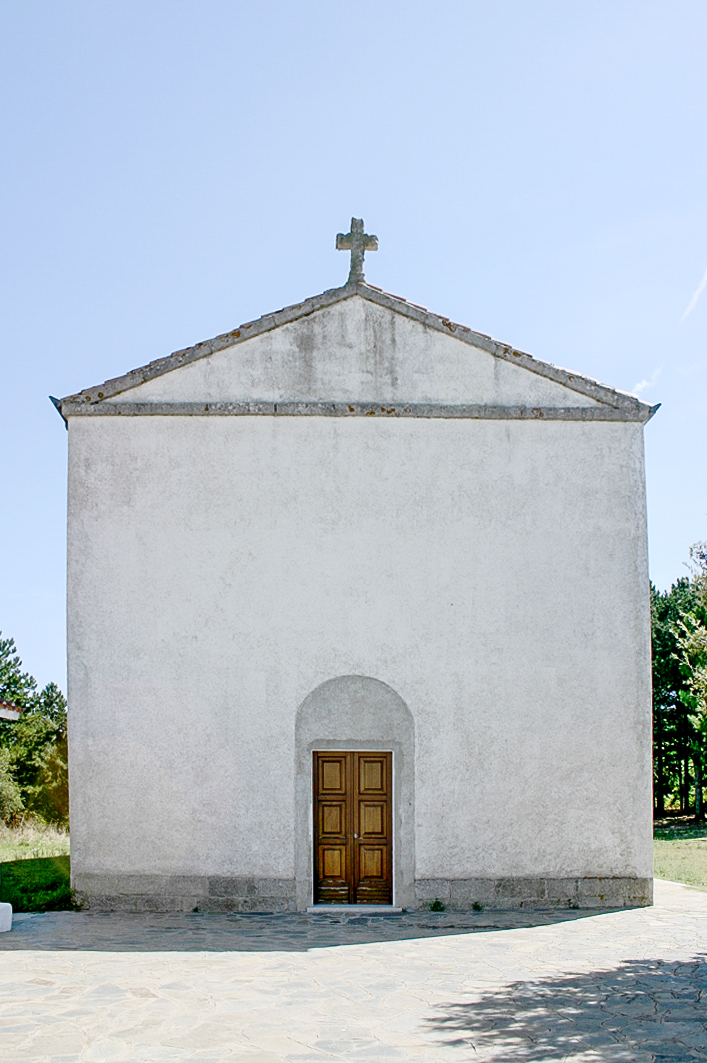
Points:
(493, 573)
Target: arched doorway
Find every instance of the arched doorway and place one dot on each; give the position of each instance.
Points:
(354, 714)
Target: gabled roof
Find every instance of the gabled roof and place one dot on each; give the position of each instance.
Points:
(614, 405)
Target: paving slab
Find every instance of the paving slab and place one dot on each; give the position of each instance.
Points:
(627, 986)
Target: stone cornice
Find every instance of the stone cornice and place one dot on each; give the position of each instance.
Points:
(354, 409)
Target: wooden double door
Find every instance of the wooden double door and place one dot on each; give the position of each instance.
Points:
(353, 828)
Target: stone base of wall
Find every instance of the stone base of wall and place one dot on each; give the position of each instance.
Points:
(461, 894)
(223, 893)
(183, 893)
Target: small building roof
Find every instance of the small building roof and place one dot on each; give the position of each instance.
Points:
(10, 712)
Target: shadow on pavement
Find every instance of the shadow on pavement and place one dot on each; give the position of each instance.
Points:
(641, 1011)
(238, 932)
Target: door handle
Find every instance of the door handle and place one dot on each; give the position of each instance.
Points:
(355, 835)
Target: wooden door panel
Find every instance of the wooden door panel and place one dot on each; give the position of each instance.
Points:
(373, 825)
(372, 862)
(333, 885)
(372, 819)
(333, 862)
(353, 828)
(373, 886)
(333, 844)
(332, 819)
(371, 774)
(332, 774)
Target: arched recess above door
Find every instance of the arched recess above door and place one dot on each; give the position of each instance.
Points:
(360, 713)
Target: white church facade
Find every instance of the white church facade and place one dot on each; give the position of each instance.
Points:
(357, 614)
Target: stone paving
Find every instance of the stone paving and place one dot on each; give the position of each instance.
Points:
(439, 988)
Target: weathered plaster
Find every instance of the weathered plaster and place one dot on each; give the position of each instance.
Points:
(316, 350)
(492, 573)
(356, 350)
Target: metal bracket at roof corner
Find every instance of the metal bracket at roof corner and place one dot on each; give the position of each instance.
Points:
(56, 403)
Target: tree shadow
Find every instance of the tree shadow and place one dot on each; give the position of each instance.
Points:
(644, 1010)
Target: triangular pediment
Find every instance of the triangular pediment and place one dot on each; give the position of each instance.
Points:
(353, 348)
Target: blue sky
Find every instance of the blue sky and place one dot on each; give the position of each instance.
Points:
(534, 169)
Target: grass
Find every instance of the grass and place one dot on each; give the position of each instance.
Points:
(32, 839)
(34, 868)
(42, 885)
(680, 852)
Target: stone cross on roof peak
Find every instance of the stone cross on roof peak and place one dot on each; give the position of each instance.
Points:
(357, 242)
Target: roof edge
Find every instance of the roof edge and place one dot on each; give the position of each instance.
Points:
(602, 393)
(159, 366)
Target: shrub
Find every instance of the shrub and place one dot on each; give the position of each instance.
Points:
(10, 797)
